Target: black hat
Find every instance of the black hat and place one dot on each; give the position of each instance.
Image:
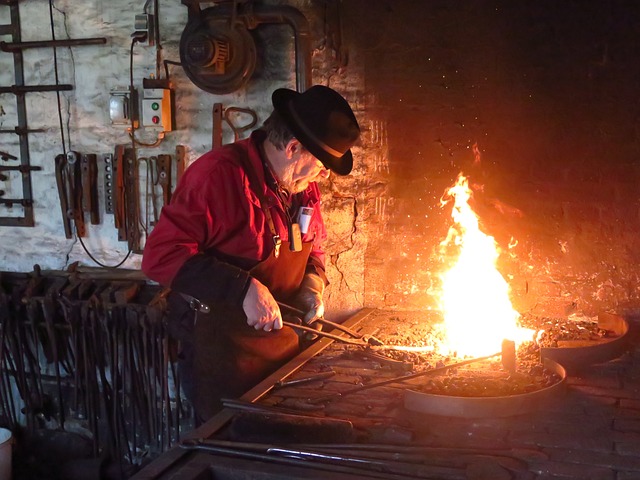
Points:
(322, 121)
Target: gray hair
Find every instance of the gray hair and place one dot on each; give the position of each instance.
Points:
(277, 131)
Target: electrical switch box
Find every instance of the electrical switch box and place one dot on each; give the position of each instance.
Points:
(156, 109)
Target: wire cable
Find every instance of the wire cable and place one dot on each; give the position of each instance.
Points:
(55, 70)
(100, 263)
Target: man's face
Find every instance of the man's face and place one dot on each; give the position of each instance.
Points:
(302, 169)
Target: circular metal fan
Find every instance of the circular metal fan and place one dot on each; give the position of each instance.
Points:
(218, 55)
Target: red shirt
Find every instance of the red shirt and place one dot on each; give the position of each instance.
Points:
(214, 210)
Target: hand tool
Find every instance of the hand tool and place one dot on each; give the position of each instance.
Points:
(89, 174)
(60, 165)
(320, 333)
(368, 339)
(163, 166)
(74, 192)
(132, 198)
(119, 206)
(181, 161)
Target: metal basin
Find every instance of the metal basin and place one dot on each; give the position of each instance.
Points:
(575, 355)
(482, 407)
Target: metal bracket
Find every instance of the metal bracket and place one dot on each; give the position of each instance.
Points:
(108, 178)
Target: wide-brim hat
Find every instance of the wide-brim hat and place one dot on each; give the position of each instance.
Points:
(322, 121)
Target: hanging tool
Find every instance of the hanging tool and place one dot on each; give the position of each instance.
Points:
(216, 130)
(61, 181)
(118, 192)
(163, 167)
(132, 199)
(181, 161)
(74, 192)
(89, 181)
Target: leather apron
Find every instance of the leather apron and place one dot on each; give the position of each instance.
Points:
(229, 356)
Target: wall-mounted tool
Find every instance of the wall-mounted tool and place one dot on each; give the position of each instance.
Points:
(219, 114)
(163, 167)
(77, 182)
(181, 161)
(127, 197)
(89, 175)
(61, 182)
(74, 192)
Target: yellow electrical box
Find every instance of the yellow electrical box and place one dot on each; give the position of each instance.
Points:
(157, 112)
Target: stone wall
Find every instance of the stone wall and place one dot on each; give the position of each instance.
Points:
(536, 103)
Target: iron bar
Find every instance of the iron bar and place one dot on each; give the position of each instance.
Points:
(403, 378)
(19, 168)
(260, 452)
(22, 131)
(17, 46)
(22, 89)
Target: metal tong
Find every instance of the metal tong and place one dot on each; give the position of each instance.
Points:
(355, 338)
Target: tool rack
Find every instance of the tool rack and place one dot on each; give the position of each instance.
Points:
(20, 89)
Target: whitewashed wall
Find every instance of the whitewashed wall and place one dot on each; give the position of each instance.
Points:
(94, 71)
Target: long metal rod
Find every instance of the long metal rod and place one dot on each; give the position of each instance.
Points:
(22, 89)
(17, 46)
(403, 378)
(310, 459)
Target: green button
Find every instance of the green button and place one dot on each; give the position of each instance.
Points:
(155, 106)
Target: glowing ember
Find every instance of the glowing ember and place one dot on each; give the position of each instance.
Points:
(478, 314)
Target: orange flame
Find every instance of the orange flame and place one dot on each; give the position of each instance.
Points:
(477, 310)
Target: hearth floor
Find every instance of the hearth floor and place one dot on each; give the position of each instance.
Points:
(589, 430)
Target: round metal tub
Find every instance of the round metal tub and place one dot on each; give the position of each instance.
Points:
(481, 407)
(574, 355)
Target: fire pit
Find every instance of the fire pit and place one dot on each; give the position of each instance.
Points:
(575, 354)
(471, 406)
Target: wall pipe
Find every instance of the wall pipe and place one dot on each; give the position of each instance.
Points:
(288, 15)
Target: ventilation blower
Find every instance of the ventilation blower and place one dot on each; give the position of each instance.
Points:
(217, 52)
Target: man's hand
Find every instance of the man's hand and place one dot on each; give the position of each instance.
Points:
(309, 297)
(261, 308)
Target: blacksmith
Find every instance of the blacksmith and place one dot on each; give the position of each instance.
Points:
(244, 231)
